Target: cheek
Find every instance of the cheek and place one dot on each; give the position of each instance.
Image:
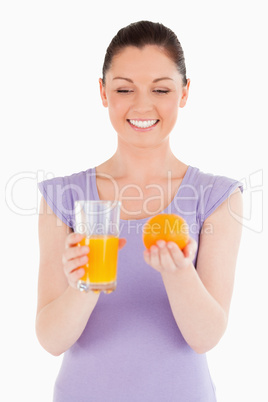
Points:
(117, 111)
(170, 109)
(117, 106)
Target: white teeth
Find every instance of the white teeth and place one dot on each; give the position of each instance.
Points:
(143, 124)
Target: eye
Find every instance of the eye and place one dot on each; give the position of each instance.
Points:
(161, 91)
(123, 91)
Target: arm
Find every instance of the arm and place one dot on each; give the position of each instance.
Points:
(62, 311)
(200, 298)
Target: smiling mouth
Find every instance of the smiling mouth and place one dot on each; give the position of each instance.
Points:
(142, 123)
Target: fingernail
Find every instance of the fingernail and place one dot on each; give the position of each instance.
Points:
(161, 243)
(153, 249)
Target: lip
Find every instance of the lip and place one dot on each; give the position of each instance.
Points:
(140, 128)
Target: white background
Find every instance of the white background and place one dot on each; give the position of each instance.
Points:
(52, 123)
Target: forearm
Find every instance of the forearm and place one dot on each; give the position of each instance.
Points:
(200, 318)
(61, 322)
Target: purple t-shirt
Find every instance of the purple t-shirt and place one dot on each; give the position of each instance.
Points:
(131, 348)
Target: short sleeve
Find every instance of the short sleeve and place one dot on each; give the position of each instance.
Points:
(215, 190)
(57, 195)
(61, 193)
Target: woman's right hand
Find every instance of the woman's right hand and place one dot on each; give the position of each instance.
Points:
(74, 257)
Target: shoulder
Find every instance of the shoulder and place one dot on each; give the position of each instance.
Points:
(61, 192)
(206, 181)
(211, 190)
(66, 182)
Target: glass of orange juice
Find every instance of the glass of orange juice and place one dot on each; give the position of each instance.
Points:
(99, 222)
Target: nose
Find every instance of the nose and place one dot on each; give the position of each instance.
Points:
(142, 103)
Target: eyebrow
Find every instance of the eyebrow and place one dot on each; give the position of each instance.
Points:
(163, 79)
(123, 78)
(156, 80)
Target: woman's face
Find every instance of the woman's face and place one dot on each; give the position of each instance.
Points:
(143, 92)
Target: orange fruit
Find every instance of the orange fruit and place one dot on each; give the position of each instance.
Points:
(168, 227)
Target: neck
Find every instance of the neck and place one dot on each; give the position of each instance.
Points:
(143, 164)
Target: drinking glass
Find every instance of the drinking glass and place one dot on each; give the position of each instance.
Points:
(99, 221)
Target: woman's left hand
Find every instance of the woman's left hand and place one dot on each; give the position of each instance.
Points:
(168, 257)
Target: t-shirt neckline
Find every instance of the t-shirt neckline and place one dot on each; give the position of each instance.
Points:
(168, 207)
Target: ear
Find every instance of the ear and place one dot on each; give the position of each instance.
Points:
(185, 93)
(103, 93)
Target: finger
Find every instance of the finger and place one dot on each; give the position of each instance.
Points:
(74, 252)
(166, 258)
(190, 249)
(178, 256)
(76, 275)
(154, 260)
(73, 238)
(122, 243)
(72, 265)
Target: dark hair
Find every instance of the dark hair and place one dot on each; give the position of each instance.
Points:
(142, 33)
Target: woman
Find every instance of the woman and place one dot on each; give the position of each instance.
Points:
(147, 340)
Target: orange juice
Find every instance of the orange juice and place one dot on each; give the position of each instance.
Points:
(101, 268)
